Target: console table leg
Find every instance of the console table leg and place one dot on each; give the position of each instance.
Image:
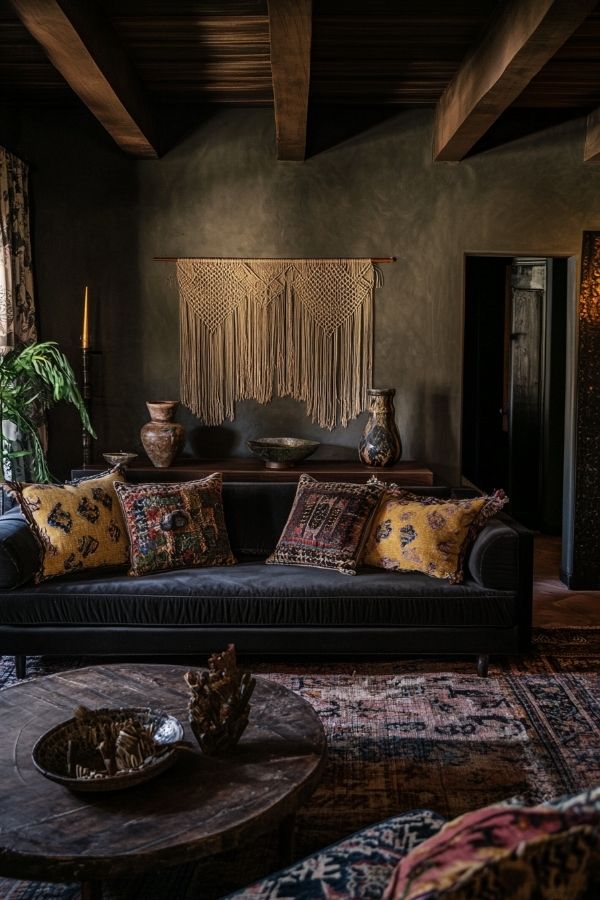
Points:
(91, 890)
(286, 841)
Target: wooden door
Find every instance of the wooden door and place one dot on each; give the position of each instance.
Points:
(527, 316)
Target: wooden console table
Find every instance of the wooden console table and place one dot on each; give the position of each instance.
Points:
(406, 472)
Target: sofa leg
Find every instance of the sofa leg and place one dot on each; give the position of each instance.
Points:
(483, 661)
(21, 666)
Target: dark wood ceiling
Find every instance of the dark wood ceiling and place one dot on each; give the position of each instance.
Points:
(473, 60)
(363, 52)
(571, 79)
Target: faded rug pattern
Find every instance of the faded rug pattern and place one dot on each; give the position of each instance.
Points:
(407, 734)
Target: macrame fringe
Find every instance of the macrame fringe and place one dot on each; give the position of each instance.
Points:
(297, 328)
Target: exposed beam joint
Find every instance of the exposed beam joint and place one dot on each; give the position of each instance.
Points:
(80, 42)
(290, 25)
(518, 41)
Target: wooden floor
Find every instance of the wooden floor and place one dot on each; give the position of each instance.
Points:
(553, 605)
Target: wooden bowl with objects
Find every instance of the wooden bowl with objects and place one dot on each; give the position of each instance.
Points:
(108, 749)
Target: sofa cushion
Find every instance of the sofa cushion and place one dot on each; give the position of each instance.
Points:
(78, 525)
(327, 525)
(425, 534)
(542, 852)
(175, 526)
(256, 512)
(254, 594)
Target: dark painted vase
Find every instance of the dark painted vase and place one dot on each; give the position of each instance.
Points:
(380, 444)
(162, 437)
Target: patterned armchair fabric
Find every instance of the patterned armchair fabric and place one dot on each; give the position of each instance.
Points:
(359, 866)
(362, 866)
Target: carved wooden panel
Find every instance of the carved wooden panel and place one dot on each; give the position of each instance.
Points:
(586, 513)
(525, 403)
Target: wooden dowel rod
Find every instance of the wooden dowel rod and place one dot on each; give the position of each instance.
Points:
(376, 260)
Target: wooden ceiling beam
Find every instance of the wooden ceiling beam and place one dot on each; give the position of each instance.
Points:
(81, 43)
(518, 41)
(591, 152)
(290, 26)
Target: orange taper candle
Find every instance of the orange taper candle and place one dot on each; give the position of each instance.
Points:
(85, 333)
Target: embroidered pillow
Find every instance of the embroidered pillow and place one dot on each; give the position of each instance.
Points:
(541, 852)
(427, 534)
(78, 525)
(175, 526)
(327, 525)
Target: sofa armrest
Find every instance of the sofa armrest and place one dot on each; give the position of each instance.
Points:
(19, 550)
(494, 558)
(502, 559)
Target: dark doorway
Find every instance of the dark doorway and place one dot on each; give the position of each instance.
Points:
(514, 382)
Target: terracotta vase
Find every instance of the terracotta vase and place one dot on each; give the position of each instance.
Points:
(380, 444)
(161, 436)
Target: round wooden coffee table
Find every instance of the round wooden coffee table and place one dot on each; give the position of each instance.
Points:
(199, 807)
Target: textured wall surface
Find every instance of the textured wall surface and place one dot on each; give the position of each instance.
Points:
(100, 218)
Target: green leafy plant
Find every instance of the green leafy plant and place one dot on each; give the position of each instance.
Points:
(32, 380)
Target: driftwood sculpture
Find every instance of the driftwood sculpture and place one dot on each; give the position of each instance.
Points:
(220, 702)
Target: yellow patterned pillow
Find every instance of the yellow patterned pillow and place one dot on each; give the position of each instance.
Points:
(427, 534)
(79, 526)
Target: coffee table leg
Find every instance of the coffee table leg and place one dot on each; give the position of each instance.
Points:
(286, 841)
(91, 890)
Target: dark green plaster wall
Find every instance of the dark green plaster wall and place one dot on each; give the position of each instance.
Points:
(100, 218)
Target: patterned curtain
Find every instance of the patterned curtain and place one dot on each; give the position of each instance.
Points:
(17, 311)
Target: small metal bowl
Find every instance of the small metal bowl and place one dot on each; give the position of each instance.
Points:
(282, 452)
(49, 753)
(120, 459)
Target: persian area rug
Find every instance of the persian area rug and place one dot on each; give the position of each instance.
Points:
(409, 734)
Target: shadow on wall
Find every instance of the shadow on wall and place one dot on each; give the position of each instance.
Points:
(176, 122)
(518, 123)
(87, 203)
(223, 441)
(281, 417)
(329, 126)
(208, 442)
(432, 420)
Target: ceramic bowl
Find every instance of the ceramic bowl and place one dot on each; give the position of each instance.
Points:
(49, 754)
(282, 452)
(122, 458)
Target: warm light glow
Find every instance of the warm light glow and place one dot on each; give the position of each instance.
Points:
(589, 295)
(85, 331)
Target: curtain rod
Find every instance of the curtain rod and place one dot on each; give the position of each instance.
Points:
(376, 260)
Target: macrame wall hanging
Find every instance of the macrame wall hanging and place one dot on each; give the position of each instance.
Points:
(252, 328)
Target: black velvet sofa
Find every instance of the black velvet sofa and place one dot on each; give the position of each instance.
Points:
(268, 609)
